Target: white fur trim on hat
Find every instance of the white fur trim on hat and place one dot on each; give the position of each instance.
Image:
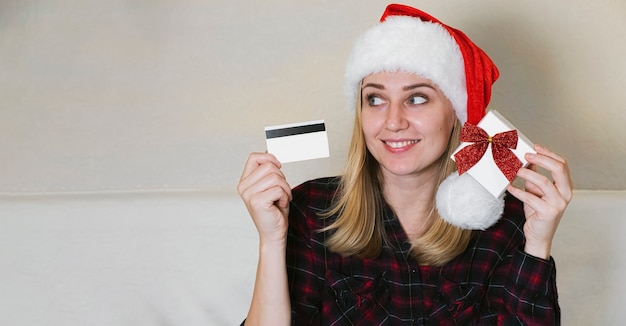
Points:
(463, 202)
(403, 43)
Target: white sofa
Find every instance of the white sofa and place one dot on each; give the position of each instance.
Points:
(188, 258)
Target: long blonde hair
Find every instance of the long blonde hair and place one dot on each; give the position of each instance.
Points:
(359, 230)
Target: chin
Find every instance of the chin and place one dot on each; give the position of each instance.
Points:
(407, 168)
(401, 169)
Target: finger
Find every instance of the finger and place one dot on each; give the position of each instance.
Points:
(551, 203)
(547, 152)
(533, 188)
(536, 203)
(538, 183)
(529, 186)
(539, 208)
(270, 198)
(256, 159)
(264, 177)
(276, 179)
(284, 199)
(258, 170)
(532, 167)
(257, 166)
(557, 167)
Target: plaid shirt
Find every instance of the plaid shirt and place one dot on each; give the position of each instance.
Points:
(493, 282)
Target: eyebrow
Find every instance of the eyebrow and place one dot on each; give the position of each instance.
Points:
(406, 88)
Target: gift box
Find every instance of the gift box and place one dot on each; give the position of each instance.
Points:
(492, 152)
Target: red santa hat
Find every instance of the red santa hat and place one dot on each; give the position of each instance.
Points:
(410, 40)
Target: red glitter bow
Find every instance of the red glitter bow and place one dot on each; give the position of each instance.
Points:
(501, 145)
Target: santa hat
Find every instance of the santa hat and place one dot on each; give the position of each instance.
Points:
(410, 40)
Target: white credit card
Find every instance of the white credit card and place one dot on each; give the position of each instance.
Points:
(297, 141)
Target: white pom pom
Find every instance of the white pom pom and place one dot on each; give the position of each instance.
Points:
(463, 202)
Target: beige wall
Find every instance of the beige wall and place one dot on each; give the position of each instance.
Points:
(124, 95)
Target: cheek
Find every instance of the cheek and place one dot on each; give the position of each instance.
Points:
(446, 127)
(369, 124)
(447, 122)
(442, 129)
(445, 130)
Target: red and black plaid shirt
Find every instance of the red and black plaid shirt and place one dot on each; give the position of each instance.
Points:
(493, 282)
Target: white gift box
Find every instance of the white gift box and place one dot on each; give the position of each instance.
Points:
(485, 171)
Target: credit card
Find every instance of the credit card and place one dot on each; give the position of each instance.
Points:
(297, 141)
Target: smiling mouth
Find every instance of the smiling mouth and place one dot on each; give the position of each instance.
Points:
(400, 144)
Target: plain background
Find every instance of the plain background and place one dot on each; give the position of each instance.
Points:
(164, 94)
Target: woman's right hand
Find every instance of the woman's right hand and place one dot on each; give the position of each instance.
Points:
(266, 194)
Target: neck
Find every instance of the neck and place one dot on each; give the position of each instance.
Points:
(411, 198)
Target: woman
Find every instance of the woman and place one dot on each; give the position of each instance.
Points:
(380, 244)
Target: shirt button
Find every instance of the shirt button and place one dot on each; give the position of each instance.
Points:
(413, 271)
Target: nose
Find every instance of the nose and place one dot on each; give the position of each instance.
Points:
(396, 119)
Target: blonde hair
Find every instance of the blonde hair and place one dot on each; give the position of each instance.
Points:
(359, 229)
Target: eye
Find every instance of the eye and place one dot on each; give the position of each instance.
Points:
(374, 100)
(417, 99)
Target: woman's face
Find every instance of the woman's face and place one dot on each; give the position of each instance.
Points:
(407, 121)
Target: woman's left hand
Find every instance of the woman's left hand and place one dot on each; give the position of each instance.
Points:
(544, 200)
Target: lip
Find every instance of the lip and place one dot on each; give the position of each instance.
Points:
(399, 145)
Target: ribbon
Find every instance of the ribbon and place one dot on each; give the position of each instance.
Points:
(501, 145)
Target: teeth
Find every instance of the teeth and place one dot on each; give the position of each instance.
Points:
(400, 144)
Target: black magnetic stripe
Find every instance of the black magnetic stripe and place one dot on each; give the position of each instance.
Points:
(294, 130)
